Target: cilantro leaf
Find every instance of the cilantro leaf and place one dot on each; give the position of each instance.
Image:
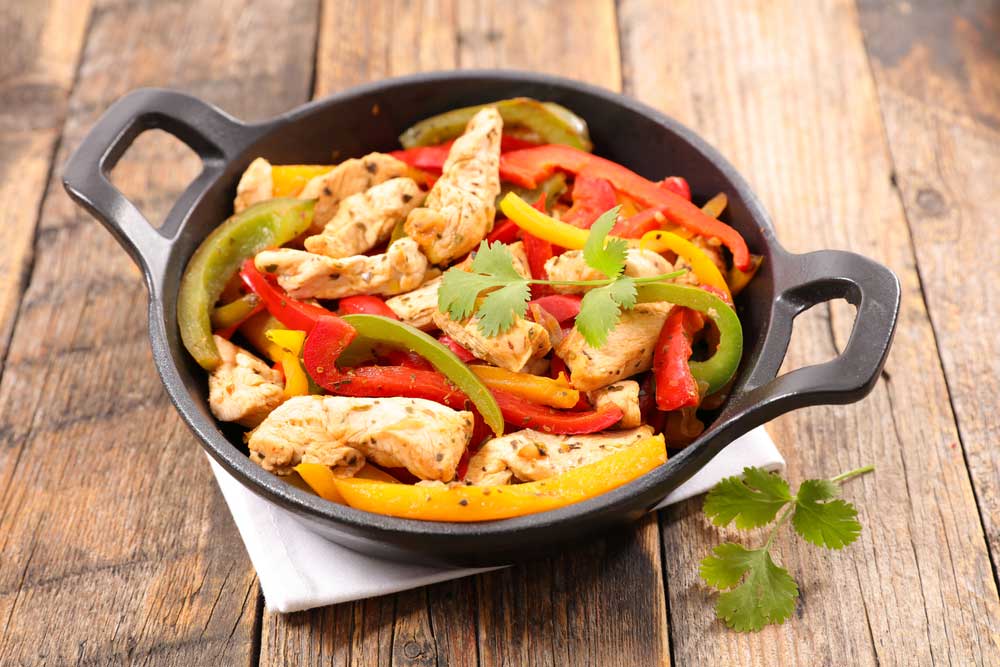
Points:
(624, 293)
(752, 501)
(604, 254)
(598, 315)
(459, 290)
(501, 307)
(823, 519)
(495, 260)
(767, 594)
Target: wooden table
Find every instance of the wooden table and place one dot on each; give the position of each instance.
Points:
(869, 126)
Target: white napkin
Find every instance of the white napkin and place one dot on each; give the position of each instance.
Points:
(301, 570)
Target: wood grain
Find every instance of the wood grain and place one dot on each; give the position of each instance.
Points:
(938, 79)
(115, 546)
(785, 91)
(42, 43)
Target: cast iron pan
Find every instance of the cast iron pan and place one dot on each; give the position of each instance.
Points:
(370, 117)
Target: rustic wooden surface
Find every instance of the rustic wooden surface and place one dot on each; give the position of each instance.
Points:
(871, 126)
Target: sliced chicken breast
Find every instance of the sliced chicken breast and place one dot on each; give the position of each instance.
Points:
(513, 349)
(366, 219)
(350, 177)
(623, 395)
(571, 266)
(256, 185)
(426, 438)
(401, 268)
(459, 210)
(242, 389)
(529, 455)
(628, 350)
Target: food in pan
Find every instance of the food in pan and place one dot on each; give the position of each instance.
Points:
(488, 322)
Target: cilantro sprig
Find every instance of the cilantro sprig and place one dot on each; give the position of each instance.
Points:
(507, 292)
(756, 591)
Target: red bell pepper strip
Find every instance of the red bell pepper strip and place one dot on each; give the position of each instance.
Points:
(365, 304)
(524, 414)
(505, 232)
(563, 307)
(675, 385)
(454, 346)
(406, 359)
(634, 227)
(431, 158)
(531, 165)
(591, 197)
(293, 313)
(677, 184)
(538, 252)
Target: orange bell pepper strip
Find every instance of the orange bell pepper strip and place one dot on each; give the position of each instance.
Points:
(289, 179)
(534, 388)
(531, 165)
(489, 503)
(321, 479)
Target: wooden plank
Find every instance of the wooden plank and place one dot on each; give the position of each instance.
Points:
(937, 72)
(784, 90)
(115, 546)
(42, 45)
(567, 608)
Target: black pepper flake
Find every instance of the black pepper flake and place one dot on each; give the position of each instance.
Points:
(463, 502)
(371, 167)
(406, 198)
(439, 457)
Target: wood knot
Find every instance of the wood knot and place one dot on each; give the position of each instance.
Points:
(931, 202)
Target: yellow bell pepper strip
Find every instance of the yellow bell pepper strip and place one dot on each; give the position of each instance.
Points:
(321, 480)
(267, 224)
(716, 205)
(289, 343)
(546, 123)
(490, 503)
(289, 179)
(740, 279)
(545, 227)
(235, 312)
(717, 370)
(703, 268)
(534, 388)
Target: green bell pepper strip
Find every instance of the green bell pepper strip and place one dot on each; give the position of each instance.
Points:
(264, 225)
(391, 332)
(717, 370)
(548, 123)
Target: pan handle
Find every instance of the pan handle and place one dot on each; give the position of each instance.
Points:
(805, 281)
(210, 132)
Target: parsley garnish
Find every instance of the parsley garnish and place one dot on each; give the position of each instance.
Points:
(755, 590)
(508, 293)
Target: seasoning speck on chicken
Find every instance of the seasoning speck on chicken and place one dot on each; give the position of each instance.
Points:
(256, 185)
(571, 266)
(401, 268)
(628, 350)
(242, 388)
(367, 218)
(459, 209)
(425, 437)
(350, 177)
(623, 395)
(529, 455)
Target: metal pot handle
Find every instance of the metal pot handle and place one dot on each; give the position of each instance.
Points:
(210, 132)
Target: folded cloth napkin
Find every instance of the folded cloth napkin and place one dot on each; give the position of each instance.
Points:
(301, 570)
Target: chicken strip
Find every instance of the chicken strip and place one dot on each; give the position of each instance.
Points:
(417, 308)
(426, 438)
(571, 266)
(305, 275)
(628, 350)
(513, 349)
(366, 219)
(530, 455)
(623, 395)
(242, 388)
(459, 210)
(256, 185)
(348, 178)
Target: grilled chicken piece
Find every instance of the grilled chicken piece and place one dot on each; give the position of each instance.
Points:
(348, 178)
(628, 350)
(530, 455)
(256, 185)
(426, 438)
(366, 219)
(623, 395)
(459, 210)
(305, 275)
(242, 389)
(417, 308)
(513, 349)
(571, 266)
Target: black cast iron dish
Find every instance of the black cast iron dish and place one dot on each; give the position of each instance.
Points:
(370, 117)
